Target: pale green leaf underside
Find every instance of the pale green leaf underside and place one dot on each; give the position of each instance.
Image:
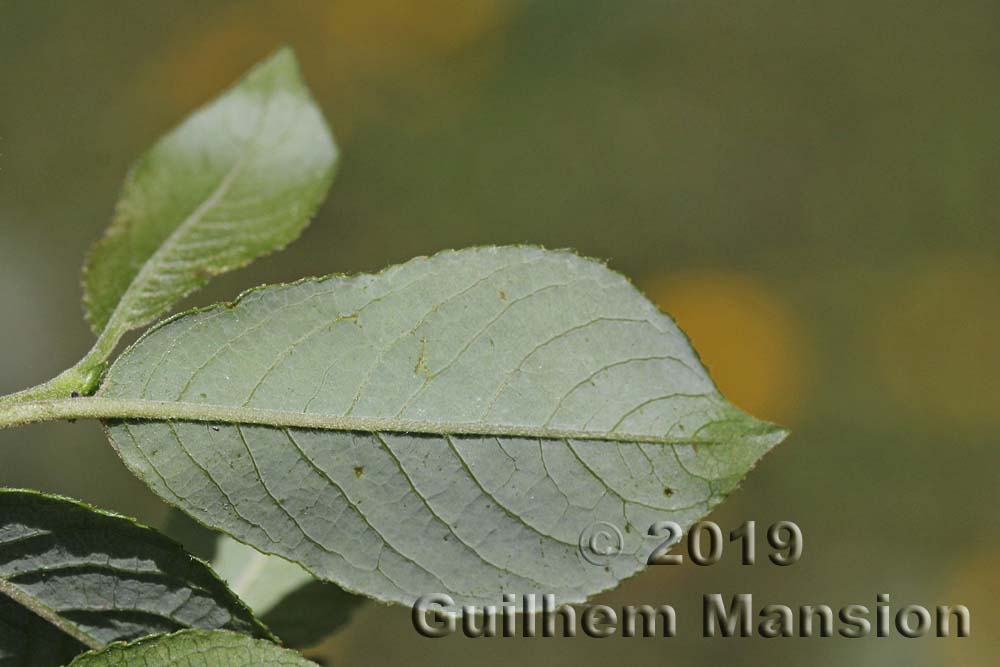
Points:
(512, 340)
(238, 179)
(193, 648)
(72, 578)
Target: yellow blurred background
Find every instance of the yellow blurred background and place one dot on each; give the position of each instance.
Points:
(811, 189)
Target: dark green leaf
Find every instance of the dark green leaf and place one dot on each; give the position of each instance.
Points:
(312, 612)
(73, 576)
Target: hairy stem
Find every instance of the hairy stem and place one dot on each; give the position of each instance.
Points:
(82, 379)
(114, 409)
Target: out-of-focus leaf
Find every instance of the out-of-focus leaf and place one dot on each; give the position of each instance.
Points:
(300, 610)
(259, 579)
(198, 540)
(311, 612)
(453, 424)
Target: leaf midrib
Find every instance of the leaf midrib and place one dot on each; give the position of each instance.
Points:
(114, 409)
(48, 614)
(125, 307)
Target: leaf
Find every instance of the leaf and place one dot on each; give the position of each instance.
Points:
(297, 608)
(29, 640)
(73, 577)
(238, 179)
(451, 425)
(194, 648)
(258, 579)
(311, 613)
(197, 540)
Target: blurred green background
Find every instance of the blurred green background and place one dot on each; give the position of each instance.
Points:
(810, 188)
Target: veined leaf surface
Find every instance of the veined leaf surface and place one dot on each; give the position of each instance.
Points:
(194, 648)
(238, 179)
(72, 578)
(450, 425)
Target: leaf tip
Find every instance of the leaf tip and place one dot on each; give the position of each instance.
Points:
(282, 63)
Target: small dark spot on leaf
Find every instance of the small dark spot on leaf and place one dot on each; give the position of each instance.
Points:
(667, 491)
(503, 295)
(359, 471)
(215, 427)
(421, 366)
(74, 394)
